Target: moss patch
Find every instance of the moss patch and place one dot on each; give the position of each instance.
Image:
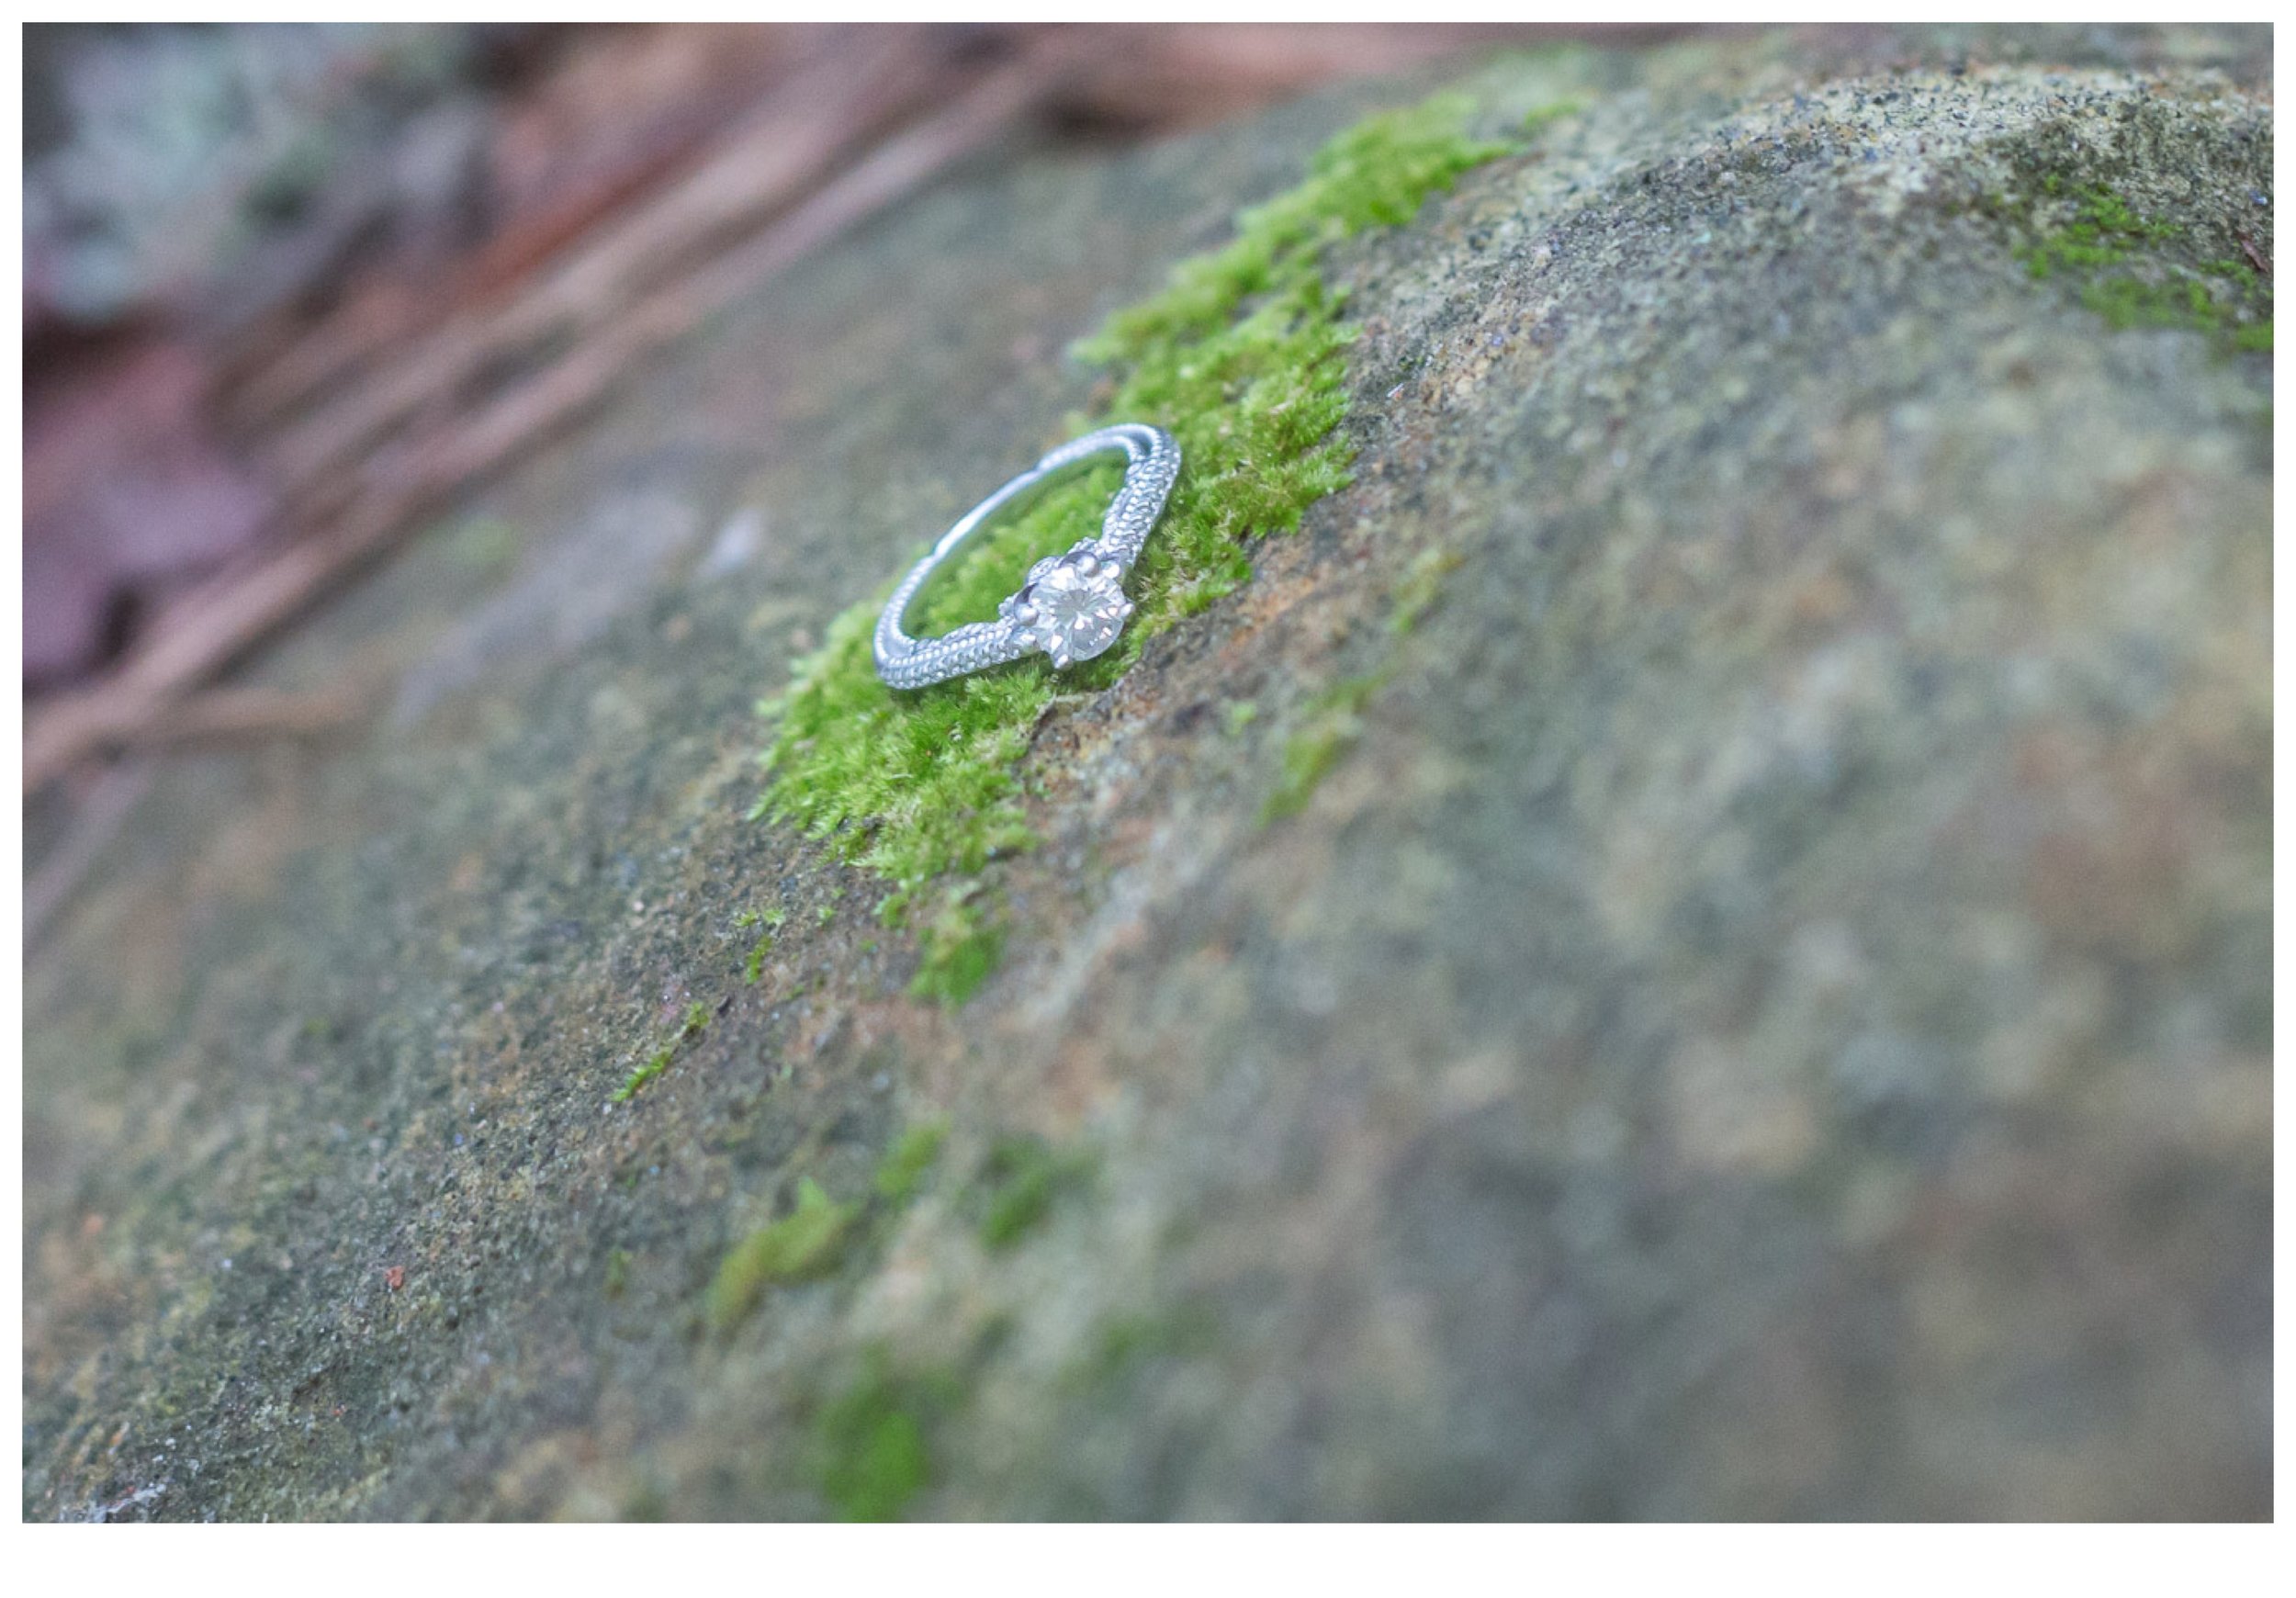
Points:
(1241, 357)
(1333, 720)
(903, 1170)
(2136, 271)
(753, 967)
(962, 946)
(802, 1244)
(1019, 1183)
(655, 1064)
(1422, 585)
(1329, 729)
(870, 1448)
(821, 1234)
(697, 1018)
(1127, 1342)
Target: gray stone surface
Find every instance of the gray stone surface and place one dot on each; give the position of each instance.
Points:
(1769, 1014)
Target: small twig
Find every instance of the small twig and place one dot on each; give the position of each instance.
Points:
(218, 714)
(225, 715)
(789, 146)
(206, 632)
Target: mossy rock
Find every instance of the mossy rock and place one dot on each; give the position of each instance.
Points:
(1693, 940)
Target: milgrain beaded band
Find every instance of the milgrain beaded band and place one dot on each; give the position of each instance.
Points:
(1071, 606)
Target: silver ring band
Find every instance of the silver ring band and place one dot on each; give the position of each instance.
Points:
(1072, 605)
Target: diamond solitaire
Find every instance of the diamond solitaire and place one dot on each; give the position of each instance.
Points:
(1073, 606)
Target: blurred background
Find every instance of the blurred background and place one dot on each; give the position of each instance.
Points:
(290, 287)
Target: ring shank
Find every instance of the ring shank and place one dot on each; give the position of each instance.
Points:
(1152, 463)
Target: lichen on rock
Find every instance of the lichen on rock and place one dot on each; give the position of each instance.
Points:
(2140, 272)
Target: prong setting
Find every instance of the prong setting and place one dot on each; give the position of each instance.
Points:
(1073, 606)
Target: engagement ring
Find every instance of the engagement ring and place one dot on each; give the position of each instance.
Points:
(1071, 606)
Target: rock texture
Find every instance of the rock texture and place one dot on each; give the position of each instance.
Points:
(1759, 1006)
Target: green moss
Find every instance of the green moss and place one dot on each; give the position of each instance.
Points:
(1127, 1342)
(802, 1244)
(1542, 118)
(870, 1448)
(754, 967)
(1241, 356)
(2102, 230)
(902, 1172)
(1333, 723)
(1019, 1183)
(1309, 756)
(961, 948)
(1422, 584)
(697, 1016)
(655, 1064)
(617, 1273)
(1333, 720)
(2136, 271)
